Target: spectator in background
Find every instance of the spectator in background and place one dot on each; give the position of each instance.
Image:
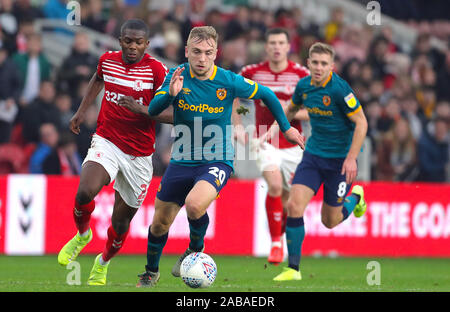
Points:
(351, 71)
(396, 154)
(376, 57)
(48, 140)
(334, 26)
(443, 78)
(9, 94)
(81, 92)
(26, 29)
(23, 10)
(350, 44)
(239, 25)
(410, 111)
(34, 67)
(95, 19)
(423, 47)
(56, 9)
(256, 23)
(433, 152)
(8, 21)
(443, 110)
(426, 97)
(64, 159)
(78, 66)
(63, 103)
(391, 113)
(41, 110)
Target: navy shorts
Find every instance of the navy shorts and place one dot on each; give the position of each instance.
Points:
(178, 180)
(314, 170)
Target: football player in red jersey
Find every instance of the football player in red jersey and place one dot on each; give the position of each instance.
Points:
(122, 145)
(276, 160)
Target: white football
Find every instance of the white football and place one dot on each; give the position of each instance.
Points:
(198, 270)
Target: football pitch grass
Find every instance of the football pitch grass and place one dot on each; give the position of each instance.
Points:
(235, 274)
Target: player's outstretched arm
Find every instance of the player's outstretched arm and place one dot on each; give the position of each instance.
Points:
(94, 87)
(349, 167)
(167, 93)
(272, 102)
(166, 116)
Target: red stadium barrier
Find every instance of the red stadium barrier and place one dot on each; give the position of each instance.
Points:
(402, 220)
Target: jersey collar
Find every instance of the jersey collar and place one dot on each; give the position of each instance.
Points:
(210, 77)
(326, 80)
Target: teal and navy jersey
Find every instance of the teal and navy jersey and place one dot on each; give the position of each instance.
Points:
(202, 114)
(329, 107)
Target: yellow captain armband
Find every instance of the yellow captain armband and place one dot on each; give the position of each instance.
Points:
(254, 91)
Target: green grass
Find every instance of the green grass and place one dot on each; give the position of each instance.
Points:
(235, 274)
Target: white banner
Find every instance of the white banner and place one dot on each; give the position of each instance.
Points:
(25, 218)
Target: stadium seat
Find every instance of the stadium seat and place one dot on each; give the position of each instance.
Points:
(12, 159)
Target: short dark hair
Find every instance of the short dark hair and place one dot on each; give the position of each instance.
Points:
(276, 31)
(135, 24)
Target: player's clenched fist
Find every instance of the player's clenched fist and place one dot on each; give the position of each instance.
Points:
(75, 123)
(176, 82)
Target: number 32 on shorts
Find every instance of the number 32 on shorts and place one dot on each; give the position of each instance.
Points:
(219, 174)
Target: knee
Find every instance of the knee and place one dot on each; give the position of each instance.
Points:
(194, 209)
(275, 189)
(120, 226)
(294, 209)
(161, 225)
(84, 195)
(329, 222)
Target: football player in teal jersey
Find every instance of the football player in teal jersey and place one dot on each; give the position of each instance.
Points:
(202, 97)
(338, 129)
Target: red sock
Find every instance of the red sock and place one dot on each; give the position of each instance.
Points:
(274, 210)
(82, 215)
(113, 244)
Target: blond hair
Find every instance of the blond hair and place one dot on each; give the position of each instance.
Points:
(321, 48)
(203, 33)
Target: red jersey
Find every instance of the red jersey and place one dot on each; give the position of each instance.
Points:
(134, 134)
(283, 85)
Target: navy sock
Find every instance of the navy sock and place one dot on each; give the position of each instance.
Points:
(197, 234)
(155, 247)
(295, 234)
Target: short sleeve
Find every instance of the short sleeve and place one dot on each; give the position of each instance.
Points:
(346, 99)
(100, 65)
(244, 87)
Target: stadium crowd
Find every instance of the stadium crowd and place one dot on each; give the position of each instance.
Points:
(405, 94)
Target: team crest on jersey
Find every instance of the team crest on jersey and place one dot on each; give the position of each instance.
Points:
(221, 93)
(138, 85)
(186, 91)
(326, 100)
(304, 96)
(350, 100)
